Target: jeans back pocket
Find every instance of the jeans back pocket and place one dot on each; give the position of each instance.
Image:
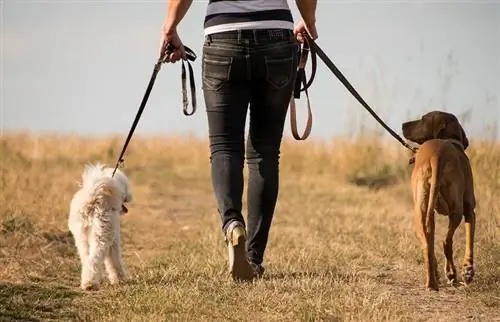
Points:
(216, 71)
(280, 71)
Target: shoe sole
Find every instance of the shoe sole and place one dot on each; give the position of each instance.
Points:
(241, 268)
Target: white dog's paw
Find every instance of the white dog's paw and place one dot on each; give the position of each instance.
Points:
(115, 280)
(89, 286)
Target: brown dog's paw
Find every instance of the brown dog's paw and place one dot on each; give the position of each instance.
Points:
(468, 274)
(432, 285)
(451, 277)
(451, 280)
(433, 288)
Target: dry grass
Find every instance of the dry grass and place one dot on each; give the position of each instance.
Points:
(342, 247)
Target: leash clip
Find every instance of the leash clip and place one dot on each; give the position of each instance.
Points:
(119, 164)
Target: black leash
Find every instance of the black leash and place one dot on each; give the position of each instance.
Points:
(316, 50)
(190, 56)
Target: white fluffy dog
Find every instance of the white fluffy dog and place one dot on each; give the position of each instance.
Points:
(94, 221)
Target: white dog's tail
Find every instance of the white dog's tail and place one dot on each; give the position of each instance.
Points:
(99, 189)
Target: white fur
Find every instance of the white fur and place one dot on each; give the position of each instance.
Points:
(94, 221)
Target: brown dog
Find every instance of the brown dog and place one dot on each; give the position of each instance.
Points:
(442, 182)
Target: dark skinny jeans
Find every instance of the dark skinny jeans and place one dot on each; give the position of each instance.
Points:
(255, 70)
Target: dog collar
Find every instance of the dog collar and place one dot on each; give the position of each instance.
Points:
(457, 143)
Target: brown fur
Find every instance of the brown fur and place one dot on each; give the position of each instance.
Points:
(442, 183)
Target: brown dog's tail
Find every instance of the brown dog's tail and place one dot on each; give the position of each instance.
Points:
(433, 193)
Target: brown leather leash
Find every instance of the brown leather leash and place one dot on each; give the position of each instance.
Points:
(302, 81)
(190, 56)
(310, 45)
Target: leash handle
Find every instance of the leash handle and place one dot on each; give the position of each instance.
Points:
(185, 101)
(301, 80)
(303, 55)
(190, 56)
(293, 119)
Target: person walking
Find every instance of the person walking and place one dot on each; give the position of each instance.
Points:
(249, 61)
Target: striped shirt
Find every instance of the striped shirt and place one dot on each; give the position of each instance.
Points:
(226, 15)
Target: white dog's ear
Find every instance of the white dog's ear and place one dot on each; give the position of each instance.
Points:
(122, 179)
(129, 197)
(126, 191)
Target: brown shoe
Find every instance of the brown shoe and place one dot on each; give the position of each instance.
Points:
(239, 266)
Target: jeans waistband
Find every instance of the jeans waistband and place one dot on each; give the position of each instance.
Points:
(253, 34)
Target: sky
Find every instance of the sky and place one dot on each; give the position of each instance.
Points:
(82, 67)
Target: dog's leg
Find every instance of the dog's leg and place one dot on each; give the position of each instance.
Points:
(100, 240)
(82, 245)
(468, 262)
(424, 199)
(450, 270)
(420, 219)
(113, 261)
(114, 264)
(427, 228)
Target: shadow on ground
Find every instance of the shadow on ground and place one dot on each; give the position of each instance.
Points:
(31, 302)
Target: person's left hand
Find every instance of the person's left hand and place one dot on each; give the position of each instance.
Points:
(301, 28)
(171, 38)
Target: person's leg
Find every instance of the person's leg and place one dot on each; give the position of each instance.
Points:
(226, 98)
(227, 94)
(276, 64)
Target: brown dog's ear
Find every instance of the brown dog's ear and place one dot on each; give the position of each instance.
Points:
(438, 130)
(452, 129)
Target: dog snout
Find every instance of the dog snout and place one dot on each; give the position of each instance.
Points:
(407, 129)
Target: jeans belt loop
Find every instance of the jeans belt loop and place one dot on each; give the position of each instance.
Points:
(239, 36)
(255, 36)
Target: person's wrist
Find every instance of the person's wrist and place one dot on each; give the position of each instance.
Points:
(309, 20)
(169, 29)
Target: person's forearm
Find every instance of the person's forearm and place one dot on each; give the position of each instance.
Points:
(307, 9)
(176, 10)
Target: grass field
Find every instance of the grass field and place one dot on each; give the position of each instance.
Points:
(342, 248)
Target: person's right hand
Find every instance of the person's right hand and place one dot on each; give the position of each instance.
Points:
(170, 37)
(301, 27)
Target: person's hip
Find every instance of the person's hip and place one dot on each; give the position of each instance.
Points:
(251, 44)
(252, 37)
